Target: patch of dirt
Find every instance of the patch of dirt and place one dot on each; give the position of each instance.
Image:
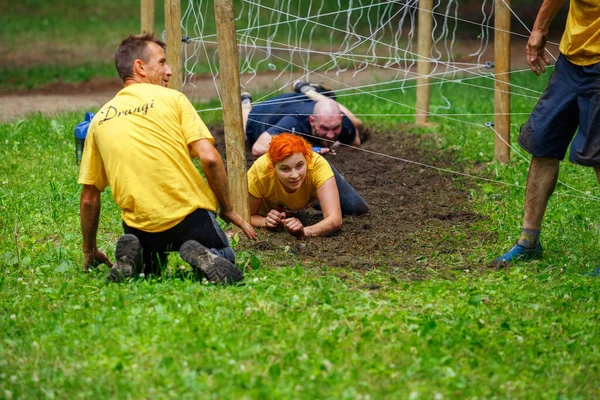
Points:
(419, 218)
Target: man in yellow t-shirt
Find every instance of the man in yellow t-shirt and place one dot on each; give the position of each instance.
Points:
(568, 113)
(141, 144)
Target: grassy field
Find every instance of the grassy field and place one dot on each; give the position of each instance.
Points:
(529, 332)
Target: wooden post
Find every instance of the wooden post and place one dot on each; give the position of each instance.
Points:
(147, 16)
(173, 29)
(232, 107)
(502, 81)
(423, 62)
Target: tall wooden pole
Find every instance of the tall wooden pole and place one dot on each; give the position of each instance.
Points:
(423, 62)
(147, 16)
(502, 81)
(232, 107)
(173, 29)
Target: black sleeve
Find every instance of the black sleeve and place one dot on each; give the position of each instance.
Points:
(348, 133)
(289, 124)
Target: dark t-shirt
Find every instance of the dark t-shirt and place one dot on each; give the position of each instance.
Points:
(289, 112)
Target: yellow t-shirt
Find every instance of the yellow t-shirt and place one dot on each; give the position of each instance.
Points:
(264, 184)
(138, 144)
(580, 42)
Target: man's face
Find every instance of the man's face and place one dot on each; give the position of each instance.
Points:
(158, 71)
(326, 127)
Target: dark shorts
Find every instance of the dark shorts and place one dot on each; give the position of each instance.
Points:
(279, 114)
(571, 100)
(201, 226)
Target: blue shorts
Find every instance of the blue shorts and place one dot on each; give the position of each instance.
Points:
(286, 112)
(571, 100)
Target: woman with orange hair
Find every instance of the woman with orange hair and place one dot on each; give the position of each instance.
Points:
(291, 177)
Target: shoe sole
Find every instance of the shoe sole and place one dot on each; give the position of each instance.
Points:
(128, 254)
(216, 269)
(296, 85)
(120, 271)
(246, 96)
(128, 246)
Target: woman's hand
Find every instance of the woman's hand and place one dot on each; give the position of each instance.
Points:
(274, 219)
(294, 227)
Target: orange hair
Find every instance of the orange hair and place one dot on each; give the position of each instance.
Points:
(284, 145)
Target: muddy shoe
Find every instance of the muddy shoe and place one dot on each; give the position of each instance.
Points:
(517, 253)
(301, 86)
(216, 269)
(128, 254)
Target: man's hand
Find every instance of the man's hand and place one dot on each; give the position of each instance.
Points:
(93, 258)
(536, 52)
(237, 220)
(294, 227)
(274, 219)
(326, 150)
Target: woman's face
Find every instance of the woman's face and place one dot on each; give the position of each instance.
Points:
(291, 172)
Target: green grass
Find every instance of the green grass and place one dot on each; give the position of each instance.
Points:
(292, 332)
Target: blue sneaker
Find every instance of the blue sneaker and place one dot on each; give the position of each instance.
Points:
(517, 253)
(594, 274)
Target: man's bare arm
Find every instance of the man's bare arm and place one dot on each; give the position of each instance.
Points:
(261, 146)
(214, 170)
(89, 214)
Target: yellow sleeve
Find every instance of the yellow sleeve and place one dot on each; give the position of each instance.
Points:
(192, 126)
(321, 171)
(91, 170)
(254, 186)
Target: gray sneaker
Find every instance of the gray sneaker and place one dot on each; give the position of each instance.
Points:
(216, 269)
(128, 255)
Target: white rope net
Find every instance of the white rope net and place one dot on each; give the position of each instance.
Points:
(349, 45)
(357, 48)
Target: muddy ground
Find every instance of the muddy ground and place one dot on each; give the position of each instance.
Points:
(419, 221)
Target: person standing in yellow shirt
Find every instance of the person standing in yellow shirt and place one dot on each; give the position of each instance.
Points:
(568, 113)
(141, 144)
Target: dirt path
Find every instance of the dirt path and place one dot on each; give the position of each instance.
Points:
(419, 220)
(63, 97)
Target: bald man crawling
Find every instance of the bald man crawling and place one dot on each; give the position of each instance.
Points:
(310, 112)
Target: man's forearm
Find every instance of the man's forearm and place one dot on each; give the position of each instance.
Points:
(546, 15)
(89, 214)
(217, 180)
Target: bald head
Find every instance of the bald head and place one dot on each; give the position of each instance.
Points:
(326, 108)
(326, 121)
